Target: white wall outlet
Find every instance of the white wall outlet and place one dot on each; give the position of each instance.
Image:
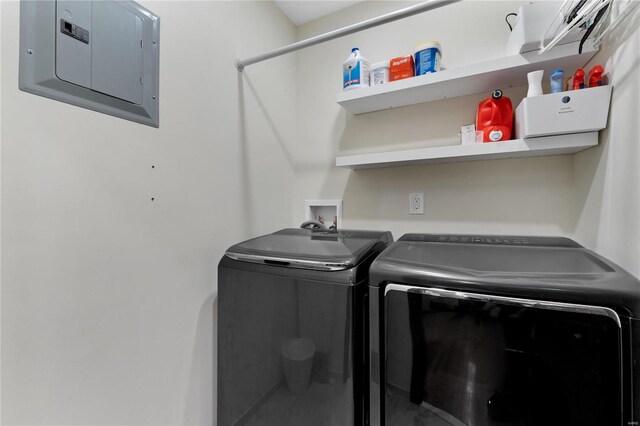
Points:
(416, 203)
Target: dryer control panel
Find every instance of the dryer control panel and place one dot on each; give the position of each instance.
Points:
(492, 240)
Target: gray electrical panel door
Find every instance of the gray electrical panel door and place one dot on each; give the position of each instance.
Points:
(73, 55)
(116, 61)
(105, 56)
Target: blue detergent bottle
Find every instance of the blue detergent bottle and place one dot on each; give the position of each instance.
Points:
(556, 78)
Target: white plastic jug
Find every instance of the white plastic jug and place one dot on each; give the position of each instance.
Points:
(355, 71)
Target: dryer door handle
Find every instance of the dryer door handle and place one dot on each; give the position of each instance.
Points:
(506, 300)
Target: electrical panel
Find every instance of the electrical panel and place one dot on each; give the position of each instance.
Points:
(105, 56)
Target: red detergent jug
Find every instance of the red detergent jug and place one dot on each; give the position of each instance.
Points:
(495, 118)
(595, 76)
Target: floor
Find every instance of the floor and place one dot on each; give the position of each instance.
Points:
(320, 405)
(408, 414)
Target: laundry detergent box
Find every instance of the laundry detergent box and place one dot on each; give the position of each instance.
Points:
(401, 67)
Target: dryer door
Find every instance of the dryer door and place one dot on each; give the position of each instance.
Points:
(456, 358)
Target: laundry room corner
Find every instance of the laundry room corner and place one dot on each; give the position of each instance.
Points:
(606, 202)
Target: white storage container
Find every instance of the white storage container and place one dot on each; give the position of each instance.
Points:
(576, 111)
(379, 73)
(533, 21)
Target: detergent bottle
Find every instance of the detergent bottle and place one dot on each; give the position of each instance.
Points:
(595, 76)
(556, 79)
(495, 118)
(578, 79)
(355, 71)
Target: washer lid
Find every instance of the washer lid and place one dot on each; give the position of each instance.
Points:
(310, 249)
(546, 268)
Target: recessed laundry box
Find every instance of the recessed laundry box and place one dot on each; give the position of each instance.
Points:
(510, 331)
(291, 328)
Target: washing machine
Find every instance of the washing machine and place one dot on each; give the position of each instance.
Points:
(292, 342)
(502, 330)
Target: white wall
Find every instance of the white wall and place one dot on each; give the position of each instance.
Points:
(108, 298)
(530, 195)
(554, 195)
(607, 196)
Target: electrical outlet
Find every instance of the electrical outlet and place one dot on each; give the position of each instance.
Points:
(416, 203)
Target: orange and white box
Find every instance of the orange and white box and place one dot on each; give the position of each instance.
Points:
(401, 67)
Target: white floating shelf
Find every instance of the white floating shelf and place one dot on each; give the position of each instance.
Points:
(550, 145)
(510, 71)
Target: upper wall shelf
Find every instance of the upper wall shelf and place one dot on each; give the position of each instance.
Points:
(509, 71)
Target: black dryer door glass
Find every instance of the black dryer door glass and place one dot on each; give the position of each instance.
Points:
(457, 359)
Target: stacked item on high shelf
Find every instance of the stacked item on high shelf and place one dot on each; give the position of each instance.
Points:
(359, 73)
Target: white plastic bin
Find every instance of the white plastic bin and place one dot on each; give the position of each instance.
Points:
(575, 111)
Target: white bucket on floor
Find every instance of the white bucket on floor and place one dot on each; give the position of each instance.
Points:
(297, 363)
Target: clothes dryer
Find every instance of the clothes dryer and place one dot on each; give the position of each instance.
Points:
(496, 330)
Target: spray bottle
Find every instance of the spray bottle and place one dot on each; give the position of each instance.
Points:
(578, 79)
(595, 76)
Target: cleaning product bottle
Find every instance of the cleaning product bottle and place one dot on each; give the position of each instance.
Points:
(556, 78)
(355, 71)
(578, 79)
(535, 83)
(595, 76)
(495, 118)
